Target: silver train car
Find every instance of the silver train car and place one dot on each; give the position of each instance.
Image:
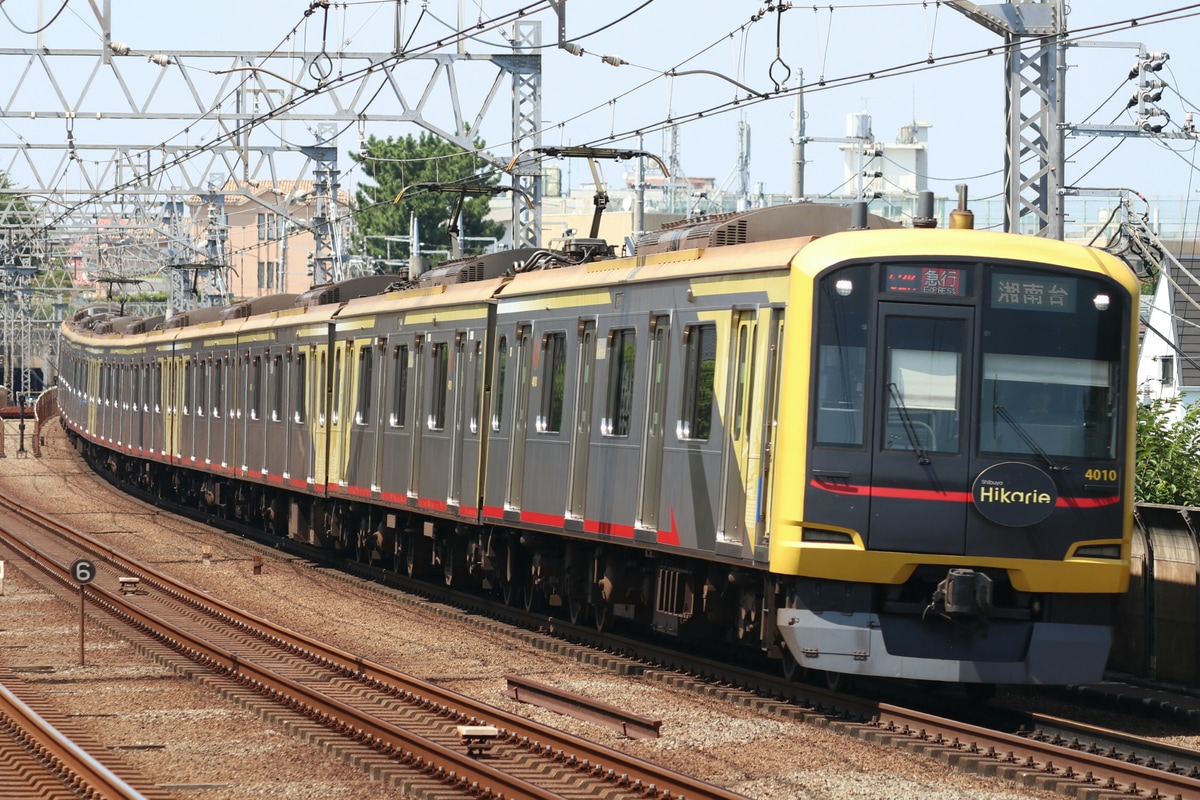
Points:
(891, 452)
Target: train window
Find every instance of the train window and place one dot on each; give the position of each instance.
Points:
(335, 402)
(843, 312)
(477, 383)
(362, 408)
(300, 388)
(188, 386)
(322, 387)
(277, 398)
(924, 390)
(498, 384)
(158, 379)
(439, 354)
(618, 396)
(744, 377)
(256, 388)
(1050, 393)
(399, 387)
(201, 387)
(554, 379)
(699, 369)
(218, 388)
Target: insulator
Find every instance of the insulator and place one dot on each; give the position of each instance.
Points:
(616, 61)
(572, 48)
(119, 48)
(162, 59)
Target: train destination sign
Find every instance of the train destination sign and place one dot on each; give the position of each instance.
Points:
(916, 279)
(1014, 494)
(1030, 293)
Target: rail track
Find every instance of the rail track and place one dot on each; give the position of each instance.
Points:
(41, 758)
(1098, 764)
(416, 735)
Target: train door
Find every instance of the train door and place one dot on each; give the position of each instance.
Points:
(922, 362)
(581, 438)
(339, 389)
(319, 473)
(516, 464)
(650, 480)
(737, 483)
(457, 422)
(762, 532)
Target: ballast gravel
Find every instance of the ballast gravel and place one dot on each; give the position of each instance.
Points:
(201, 747)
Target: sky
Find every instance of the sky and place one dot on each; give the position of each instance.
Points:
(731, 57)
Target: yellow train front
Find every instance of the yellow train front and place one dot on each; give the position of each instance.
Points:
(952, 480)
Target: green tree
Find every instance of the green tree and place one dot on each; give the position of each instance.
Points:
(391, 166)
(1168, 454)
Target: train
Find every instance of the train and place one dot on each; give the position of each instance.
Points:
(799, 432)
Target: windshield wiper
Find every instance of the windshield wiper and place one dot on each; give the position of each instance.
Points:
(1030, 442)
(909, 429)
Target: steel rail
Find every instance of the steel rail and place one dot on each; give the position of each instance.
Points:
(75, 767)
(1045, 757)
(585, 756)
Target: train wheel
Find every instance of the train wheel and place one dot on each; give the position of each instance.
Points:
(791, 670)
(837, 681)
(531, 595)
(604, 616)
(577, 610)
(509, 592)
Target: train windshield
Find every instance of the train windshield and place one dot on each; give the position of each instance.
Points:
(1056, 393)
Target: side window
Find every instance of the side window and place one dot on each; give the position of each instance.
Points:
(699, 367)
(256, 388)
(362, 410)
(277, 398)
(187, 386)
(322, 388)
(218, 387)
(399, 387)
(439, 354)
(553, 382)
(477, 383)
(618, 395)
(335, 395)
(300, 388)
(201, 387)
(498, 383)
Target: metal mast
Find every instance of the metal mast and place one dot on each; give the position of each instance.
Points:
(1035, 83)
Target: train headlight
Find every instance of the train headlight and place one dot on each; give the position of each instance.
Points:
(844, 287)
(1101, 302)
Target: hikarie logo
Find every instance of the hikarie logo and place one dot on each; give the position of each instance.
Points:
(1014, 494)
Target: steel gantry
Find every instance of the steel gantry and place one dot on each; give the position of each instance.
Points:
(113, 138)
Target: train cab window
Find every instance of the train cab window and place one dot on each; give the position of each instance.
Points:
(399, 387)
(924, 383)
(498, 384)
(439, 354)
(618, 395)
(300, 388)
(362, 409)
(553, 384)
(699, 369)
(1055, 397)
(843, 310)
(277, 398)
